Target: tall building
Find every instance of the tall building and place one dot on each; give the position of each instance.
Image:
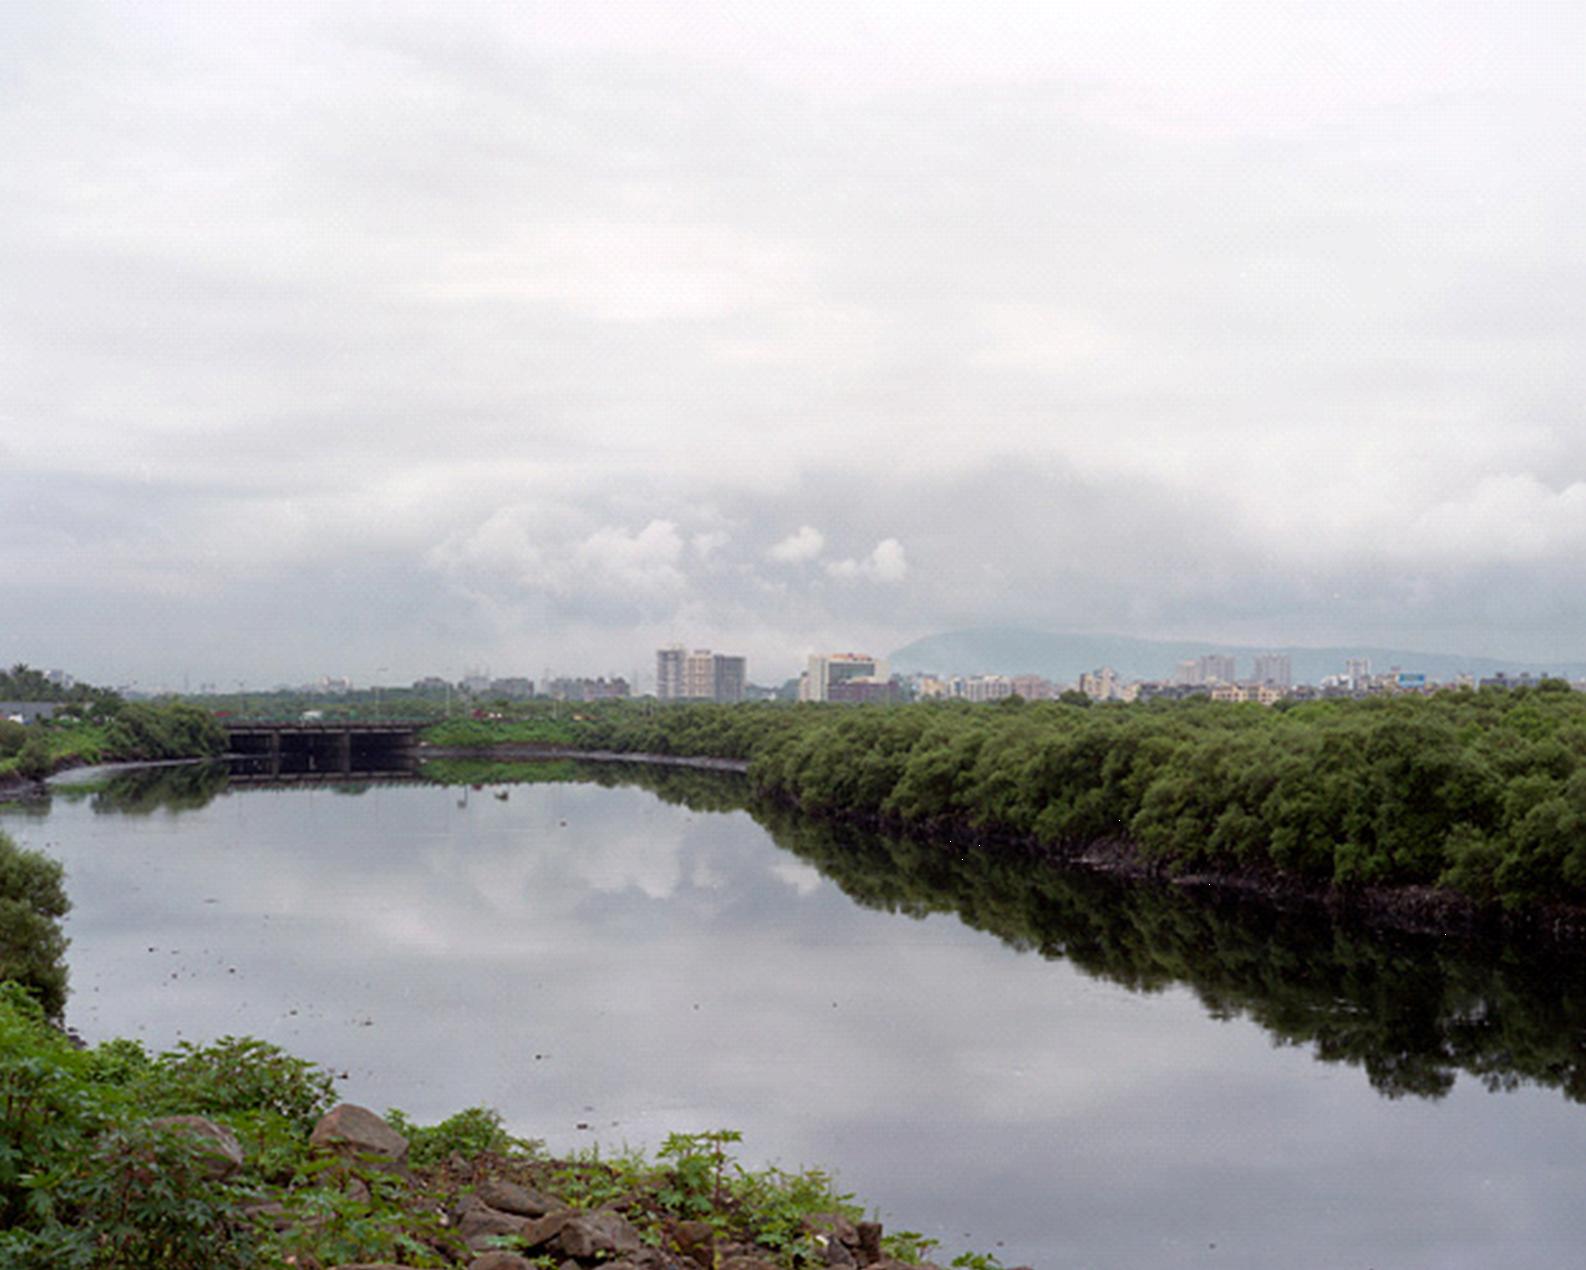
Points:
(669, 673)
(700, 675)
(731, 677)
(826, 669)
(1357, 670)
(1273, 668)
(1217, 668)
(1102, 684)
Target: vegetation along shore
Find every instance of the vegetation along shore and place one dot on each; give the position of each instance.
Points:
(1461, 809)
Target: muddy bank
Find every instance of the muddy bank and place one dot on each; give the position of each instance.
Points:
(529, 751)
(14, 787)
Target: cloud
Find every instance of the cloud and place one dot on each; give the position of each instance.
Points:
(800, 547)
(709, 542)
(887, 563)
(521, 551)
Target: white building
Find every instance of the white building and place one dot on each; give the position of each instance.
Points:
(825, 669)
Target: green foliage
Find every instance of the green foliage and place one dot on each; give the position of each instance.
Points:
(34, 760)
(141, 1198)
(698, 1160)
(172, 730)
(474, 1131)
(236, 1075)
(1482, 792)
(325, 1223)
(32, 902)
(908, 1245)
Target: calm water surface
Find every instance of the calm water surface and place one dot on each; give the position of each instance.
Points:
(1090, 1079)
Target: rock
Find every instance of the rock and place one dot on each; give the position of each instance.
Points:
(748, 1263)
(834, 1225)
(221, 1151)
(645, 1259)
(358, 1134)
(500, 1261)
(600, 1233)
(509, 1197)
(696, 1240)
(544, 1229)
(367, 1265)
(837, 1253)
(478, 1224)
(869, 1233)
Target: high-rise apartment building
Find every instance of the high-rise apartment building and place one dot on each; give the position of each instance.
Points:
(700, 675)
(1217, 669)
(669, 673)
(1273, 668)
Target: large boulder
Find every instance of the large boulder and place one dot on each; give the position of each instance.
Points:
(357, 1134)
(696, 1240)
(509, 1197)
(600, 1233)
(478, 1225)
(222, 1153)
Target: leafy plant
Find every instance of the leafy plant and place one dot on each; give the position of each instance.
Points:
(471, 1132)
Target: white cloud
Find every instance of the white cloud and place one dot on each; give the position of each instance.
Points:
(800, 547)
(709, 542)
(887, 563)
(521, 549)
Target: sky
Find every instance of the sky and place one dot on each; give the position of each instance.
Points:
(386, 340)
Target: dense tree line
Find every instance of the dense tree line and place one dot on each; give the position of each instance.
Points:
(111, 730)
(1482, 792)
(23, 683)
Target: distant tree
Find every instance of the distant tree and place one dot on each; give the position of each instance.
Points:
(1073, 697)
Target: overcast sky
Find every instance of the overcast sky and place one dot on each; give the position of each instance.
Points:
(393, 339)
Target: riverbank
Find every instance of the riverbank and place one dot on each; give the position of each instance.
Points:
(231, 1155)
(533, 752)
(1419, 908)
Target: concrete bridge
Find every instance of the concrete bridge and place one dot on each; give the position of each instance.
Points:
(324, 747)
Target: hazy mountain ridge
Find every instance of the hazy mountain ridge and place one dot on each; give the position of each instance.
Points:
(1012, 651)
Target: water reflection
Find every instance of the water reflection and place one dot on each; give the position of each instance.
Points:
(641, 964)
(1413, 1012)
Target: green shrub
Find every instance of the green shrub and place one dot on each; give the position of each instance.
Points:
(471, 1132)
(32, 902)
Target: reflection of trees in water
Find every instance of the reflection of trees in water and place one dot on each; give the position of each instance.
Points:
(1412, 1011)
(143, 791)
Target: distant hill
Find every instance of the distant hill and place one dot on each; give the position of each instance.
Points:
(1011, 651)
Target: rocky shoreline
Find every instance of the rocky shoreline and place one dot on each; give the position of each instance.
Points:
(510, 1212)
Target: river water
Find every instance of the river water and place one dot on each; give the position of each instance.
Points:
(1056, 1070)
